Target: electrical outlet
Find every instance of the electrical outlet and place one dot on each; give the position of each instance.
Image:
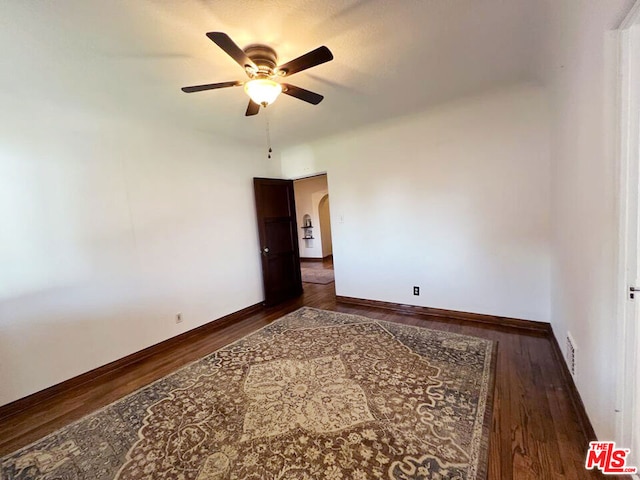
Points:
(178, 317)
(416, 290)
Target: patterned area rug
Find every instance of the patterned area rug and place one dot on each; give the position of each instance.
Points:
(317, 275)
(314, 395)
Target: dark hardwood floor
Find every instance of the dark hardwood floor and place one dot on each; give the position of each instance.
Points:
(536, 433)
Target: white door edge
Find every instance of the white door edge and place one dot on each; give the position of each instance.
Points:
(627, 428)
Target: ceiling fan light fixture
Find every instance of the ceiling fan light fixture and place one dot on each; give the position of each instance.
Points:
(263, 91)
(260, 63)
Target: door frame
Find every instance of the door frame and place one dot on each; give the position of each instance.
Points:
(628, 149)
(313, 175)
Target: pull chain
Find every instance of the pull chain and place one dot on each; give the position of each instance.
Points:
(269, 150)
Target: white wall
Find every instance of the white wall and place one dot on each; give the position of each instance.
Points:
(579, 70)
(308, 193)
(108, 229)
(455, 200)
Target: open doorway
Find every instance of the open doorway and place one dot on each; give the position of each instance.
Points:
(314, 219)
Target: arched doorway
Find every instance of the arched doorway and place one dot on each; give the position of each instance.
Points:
(324, 215)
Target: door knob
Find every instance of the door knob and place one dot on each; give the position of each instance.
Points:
(265, 251)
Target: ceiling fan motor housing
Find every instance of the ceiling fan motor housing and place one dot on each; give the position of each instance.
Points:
(264, 57)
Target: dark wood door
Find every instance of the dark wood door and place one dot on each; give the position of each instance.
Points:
(278, 230)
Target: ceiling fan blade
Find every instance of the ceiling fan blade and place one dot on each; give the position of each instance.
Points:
(210, 86)
(252, 109)
(315, 57)
(302, 94)
(234, 51)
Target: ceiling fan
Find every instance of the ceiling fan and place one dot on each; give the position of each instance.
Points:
(260, 63)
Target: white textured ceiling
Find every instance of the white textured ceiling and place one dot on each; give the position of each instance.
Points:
(391, 58)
